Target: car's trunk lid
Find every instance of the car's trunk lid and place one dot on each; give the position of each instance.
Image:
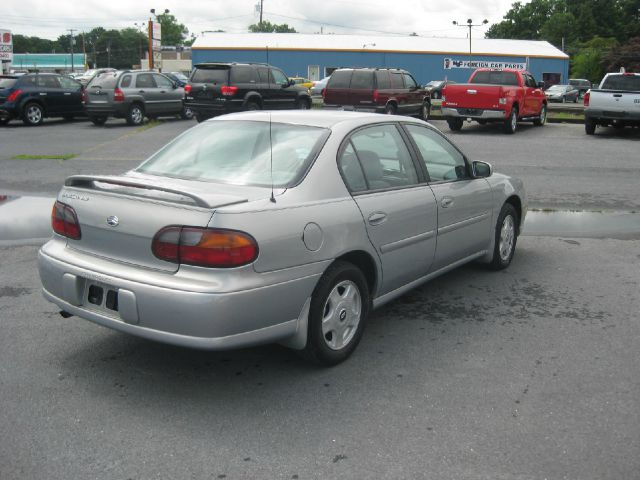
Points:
(120, 215)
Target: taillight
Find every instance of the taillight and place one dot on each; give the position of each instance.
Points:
(323, 93)
(228, 90)
(375, 96)
(83, 96)
(14, 95)
(118, 95)
(64, 221)
(204, 247)
(587, 97)
(187, 89)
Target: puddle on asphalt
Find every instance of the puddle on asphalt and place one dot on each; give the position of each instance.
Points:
(25, 218)
(583, 224)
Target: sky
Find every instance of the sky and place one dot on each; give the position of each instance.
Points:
(47, 19)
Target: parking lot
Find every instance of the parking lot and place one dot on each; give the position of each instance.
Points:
(528, 373)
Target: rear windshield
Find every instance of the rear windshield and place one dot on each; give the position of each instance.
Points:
(240, 153)
(622, 82)
(210, 75)
(495, 78)
(104, 80)
(7, 82)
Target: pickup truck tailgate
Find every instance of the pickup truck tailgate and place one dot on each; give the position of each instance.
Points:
(473, 96)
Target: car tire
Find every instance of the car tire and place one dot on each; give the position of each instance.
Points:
(135, 115)
(506, 236)
(98, 120)
(339, 307)
(187, 113)
(4, 121)
(253, 105)
(200, 118)
(481, 122)
(455, 124)
(425, 111)
(303, 104)
(511, 123)
(68, 118)
(542, 117)
(589, 127)
(390, 109)
(32, 114)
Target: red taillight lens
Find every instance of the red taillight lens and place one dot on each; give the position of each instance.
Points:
(228, 90)
(64, 221)
(118, 95)
(187, 89)
(587, 97)
(324, 93)
(375, 96)
(83, 96)
(14, 95)
(204, 247)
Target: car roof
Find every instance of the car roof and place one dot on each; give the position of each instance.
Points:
(315, 118)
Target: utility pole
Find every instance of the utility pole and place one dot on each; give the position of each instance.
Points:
(469, 25)
(71, 30)
(260, 12)
(108, 53)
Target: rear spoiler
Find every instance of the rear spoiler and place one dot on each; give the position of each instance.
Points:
(88, 182)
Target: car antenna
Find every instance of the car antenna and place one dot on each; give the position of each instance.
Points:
(273, 198)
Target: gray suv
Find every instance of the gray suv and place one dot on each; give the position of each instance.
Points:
(133, 95)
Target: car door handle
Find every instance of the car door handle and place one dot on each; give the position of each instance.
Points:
(377, 218)
(163, 91)
(446, 202)
(67, 93)
(617, 94)
(42, 93)
(140, 91)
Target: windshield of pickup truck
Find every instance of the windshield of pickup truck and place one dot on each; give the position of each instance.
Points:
(622, 82)
(495, 78)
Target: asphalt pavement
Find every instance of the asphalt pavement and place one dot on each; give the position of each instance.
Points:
(529, 373)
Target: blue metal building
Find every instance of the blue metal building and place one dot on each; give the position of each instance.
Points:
(315, 56)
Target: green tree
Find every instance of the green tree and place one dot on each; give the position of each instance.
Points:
(589, 61)
(626, 55)
(173, 33)
(267, 27)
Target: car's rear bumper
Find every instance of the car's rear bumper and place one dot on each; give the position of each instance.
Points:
(8, 111)
(473, 113)
(183, 314)
(106, 110)
(597, 114)
(215, 107)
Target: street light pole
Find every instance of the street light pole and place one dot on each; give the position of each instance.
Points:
(469, 25)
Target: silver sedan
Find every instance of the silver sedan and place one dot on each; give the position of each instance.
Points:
(284, 227)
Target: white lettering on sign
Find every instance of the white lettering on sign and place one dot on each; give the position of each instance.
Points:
(450, 63)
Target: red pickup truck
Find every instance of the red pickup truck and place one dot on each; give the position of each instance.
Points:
(506, 96)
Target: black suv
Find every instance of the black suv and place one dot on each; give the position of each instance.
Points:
(34, 96)
(382, 90)
(216, 88)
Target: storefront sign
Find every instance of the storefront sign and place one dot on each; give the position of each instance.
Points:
(450, 63)
(6, 46)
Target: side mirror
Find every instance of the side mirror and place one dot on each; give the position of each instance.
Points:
(540, 84)
(481, 169)
(290, 83)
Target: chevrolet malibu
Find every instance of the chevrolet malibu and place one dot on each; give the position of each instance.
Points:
(285, 227)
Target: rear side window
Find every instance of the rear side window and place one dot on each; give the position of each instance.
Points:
(396, 80)
(495, 78)
(243, 74)
(210, 75)
(46, 81)
(104, 80)
(382, 80)
(7, 82)
(145, 80)
(362, 79)
(622, 82)
(340, 79)
(28, 82)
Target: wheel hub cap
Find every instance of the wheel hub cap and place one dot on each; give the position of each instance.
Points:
(341, 315)
(507, 237)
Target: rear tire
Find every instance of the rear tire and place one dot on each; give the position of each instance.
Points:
(425, 111)
(511, 124)
(339, 307)
(455, 124)
(101, 120)
(187, 113)
(589, 127)
(542, 117)
(135, 115)
(4, 121)
(506, 236)
(252, 105)
(32, 114)
(390, 109)
(303, 104)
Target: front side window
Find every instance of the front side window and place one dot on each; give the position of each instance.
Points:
(240, 153)
(279, 77)
(162, 81)
(409, 82)
(383, 158)
(443, 161)
(69, 83)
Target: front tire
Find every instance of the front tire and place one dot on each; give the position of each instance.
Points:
(511, 124)
(303, 104)
(32, 114)
(455, 124)
(506, 236)
(187, 113)
(542, 117)
(135, 115)
(339, 307)
(425, 111)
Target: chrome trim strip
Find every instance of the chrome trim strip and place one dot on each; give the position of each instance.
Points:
(390, 247)
(464, 223)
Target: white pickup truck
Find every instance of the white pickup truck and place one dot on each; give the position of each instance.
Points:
(615, 102)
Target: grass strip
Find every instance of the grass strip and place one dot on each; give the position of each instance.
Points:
(66, 156)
